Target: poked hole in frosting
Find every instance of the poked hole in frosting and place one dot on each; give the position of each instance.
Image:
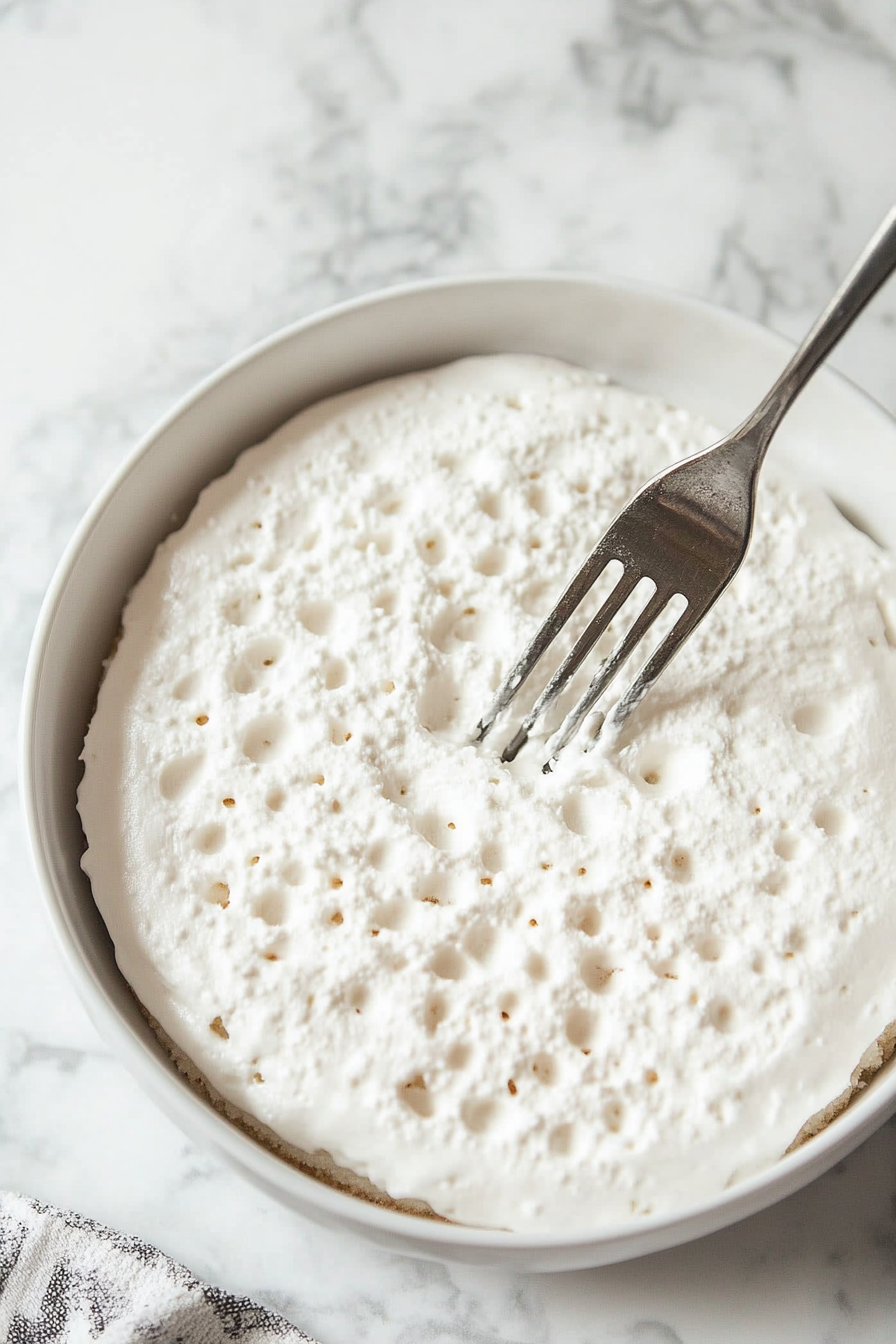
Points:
(561, 1139)
(480, 941)
(536, 966)
(775, 883)
(584, 813)
(681, 864)
(597, 971)
(795, 941)
(316, 616)
(416, 1096)
(381, 855)
(389, 502)
(188, 687)
(270, 907)
(264, 738)
(491, 562)
(396, 788)
(478, 1113)
(438, 704)
(209, 839)
(465, 624)
(247, 672)
(491, 505)
(458, 1055)
(493, 856)
(335, 673)
(439, 889)
(432, 547)
(545, 1069)
(709, 947)
(720, 1014)
(340, 733)
(246, 608)
(586, 918)
(392, 914)
(242, 679)
(441, 831)
(816, 718)
(178, 776)
(447, 963)
(218, 893)
(831, 819)
(435, 1010)
(614, 1116)
(663, 770)
(787, 846)
(580, 1027)
(540, 500)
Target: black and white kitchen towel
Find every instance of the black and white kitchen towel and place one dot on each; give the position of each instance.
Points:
(65, 1279)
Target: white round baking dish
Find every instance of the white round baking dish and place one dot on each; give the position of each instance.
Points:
(704, 359)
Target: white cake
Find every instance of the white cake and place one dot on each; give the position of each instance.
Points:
(534, 1002)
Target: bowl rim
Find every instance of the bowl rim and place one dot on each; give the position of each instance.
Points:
(176, 1096)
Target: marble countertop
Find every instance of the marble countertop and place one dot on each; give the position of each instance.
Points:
(180, 179)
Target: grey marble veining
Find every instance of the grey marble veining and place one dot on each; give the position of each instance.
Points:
(181, 178)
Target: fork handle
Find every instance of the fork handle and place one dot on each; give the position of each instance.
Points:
(876, 263)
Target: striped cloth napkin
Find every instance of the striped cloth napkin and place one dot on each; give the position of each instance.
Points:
(65, 1279)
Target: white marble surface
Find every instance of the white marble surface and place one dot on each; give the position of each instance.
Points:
(179, 178)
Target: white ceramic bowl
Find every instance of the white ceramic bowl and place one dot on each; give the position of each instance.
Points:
(699, 357)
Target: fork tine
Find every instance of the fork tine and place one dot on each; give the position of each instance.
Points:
(628, 579)
(656, 664)
(584, 579)
(605, 674)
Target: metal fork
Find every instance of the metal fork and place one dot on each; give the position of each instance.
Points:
(687, 530)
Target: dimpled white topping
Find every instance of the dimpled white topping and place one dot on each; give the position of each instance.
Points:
(538, 1002)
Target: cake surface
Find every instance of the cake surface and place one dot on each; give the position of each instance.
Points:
(544, 1003)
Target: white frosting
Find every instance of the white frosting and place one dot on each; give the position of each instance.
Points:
(540, 1003)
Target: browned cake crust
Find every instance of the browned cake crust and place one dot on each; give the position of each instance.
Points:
(320, 1165)
(879, 1053)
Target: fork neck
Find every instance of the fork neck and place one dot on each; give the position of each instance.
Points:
(876, 263)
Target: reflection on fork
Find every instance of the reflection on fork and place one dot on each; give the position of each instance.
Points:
(686, 531)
